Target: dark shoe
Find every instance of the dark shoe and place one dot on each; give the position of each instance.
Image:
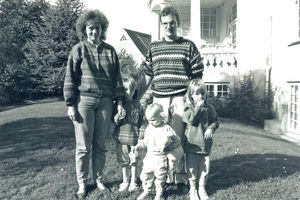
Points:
(182, 188)
(171, 188)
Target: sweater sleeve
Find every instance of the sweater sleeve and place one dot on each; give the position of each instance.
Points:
(72, 77)
(197, 67)
(119, 89)
(213, 121)
(148, 70)
(192, 115)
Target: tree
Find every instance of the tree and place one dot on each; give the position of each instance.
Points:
(17, 17)
(47, 54)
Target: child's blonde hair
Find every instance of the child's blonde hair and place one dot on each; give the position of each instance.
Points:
(195, 85)
(153, 109)
(130, 83)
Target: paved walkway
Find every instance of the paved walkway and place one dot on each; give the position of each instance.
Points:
(291, 139)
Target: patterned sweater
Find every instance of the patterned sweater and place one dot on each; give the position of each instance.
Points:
(172, 65)
(129, 129)
(92, 71)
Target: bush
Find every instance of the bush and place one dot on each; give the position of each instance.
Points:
(243, 102)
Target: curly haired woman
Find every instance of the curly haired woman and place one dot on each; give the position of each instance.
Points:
(92, 83)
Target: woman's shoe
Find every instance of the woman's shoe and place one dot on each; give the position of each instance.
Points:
(81, 193)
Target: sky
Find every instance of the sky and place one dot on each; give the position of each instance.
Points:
(130, 14)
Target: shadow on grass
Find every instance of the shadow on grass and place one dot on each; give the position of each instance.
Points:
(231, 171)
(31, 144)
(28, 102)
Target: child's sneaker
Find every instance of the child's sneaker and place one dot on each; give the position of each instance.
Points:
(123, 186)
(132, 187)
(159, 196)
(144, 196)
(194, 194)
(202, 193)
(101, 186)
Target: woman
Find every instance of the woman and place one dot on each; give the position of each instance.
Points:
(92, 83)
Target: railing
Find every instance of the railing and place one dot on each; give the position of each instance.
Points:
(218, 55)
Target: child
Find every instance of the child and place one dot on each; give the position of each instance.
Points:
(161, 142)
(127, 133)
(202, 122)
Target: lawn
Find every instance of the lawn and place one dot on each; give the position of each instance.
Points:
(37, 160)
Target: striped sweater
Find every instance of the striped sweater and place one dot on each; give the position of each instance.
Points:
(172, 65)
(92, 71)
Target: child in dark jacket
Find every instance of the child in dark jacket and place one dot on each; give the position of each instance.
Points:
(202, 122)
(127, 133)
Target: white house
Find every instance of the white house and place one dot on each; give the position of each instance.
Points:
(237, 36)
(234, 37)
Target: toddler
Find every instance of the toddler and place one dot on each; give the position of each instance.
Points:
(162, 143)
(202, 122)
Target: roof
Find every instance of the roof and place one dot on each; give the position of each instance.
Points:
(141, 40)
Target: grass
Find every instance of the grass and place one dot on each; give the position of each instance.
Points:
(37, 160)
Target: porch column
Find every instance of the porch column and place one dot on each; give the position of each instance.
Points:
(195, 26)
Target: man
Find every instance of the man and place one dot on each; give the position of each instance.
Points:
(170, 64)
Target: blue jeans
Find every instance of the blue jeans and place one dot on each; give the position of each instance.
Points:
(90, 133)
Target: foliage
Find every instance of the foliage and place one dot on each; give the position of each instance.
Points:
(47, 54)
(17, 17)
(243, 102)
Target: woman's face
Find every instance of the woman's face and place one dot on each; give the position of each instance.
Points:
(93, 31)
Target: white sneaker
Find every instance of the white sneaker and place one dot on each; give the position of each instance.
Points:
(101, 186)
(144, 196)
(123, 186)
(81, 189)
(159, 196)
(202, 193)
(132, 187)
(194, 194)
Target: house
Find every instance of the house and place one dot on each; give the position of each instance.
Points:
(132, 48)
(237, 36)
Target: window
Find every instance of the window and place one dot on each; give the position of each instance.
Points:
(208, 22)
(222, 90)
(298, 19)
(232, 17)
(210, 90)
(293, 122)
(217, 89)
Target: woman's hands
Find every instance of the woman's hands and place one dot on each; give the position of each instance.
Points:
(73, 113)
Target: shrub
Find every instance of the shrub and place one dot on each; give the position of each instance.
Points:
(243, 102)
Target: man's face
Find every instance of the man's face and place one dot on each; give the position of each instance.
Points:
(169, 25)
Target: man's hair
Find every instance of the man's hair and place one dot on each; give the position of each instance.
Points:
(169, 11)
(153, 109)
